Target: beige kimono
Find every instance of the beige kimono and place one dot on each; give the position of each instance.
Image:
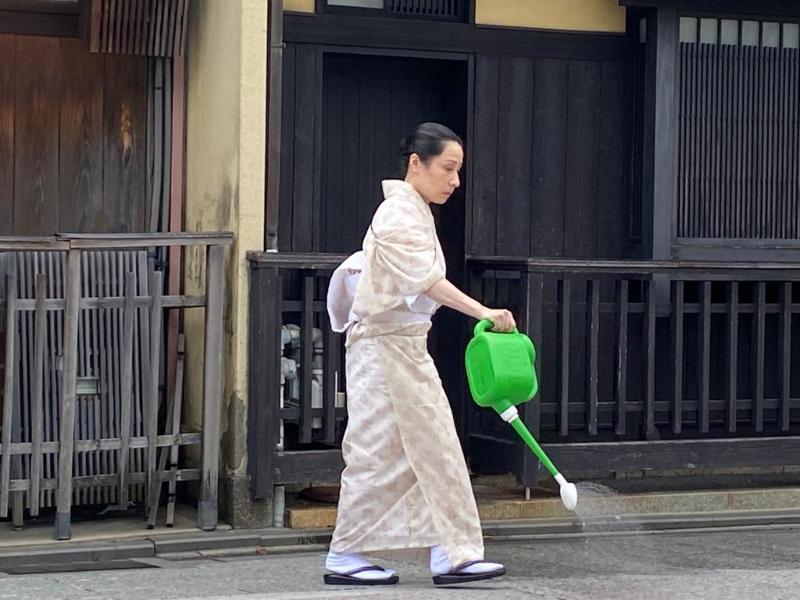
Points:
(405, 484)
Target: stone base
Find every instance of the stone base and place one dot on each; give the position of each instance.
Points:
(237, 507)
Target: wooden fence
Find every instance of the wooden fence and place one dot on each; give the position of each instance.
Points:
(84, 418)
(643, 365)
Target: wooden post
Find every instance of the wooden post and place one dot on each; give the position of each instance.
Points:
(8, 391)
(153, 482)
(212, 387)
(533, 284)
(264, 357)
(126, 384)
(665, 136)
(566, 311)
(622, 356)
(176, 429)
(37, 411)
(68, 395)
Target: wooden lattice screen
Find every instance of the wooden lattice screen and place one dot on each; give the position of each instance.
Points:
(142, 27)
(739, 157)
(436, 8)
(439, 10)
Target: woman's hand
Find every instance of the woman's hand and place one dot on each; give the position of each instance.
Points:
(502, 319)
(446, 294)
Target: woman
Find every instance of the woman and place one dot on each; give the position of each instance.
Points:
(405, 485)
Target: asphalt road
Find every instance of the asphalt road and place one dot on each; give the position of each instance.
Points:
(732, 564)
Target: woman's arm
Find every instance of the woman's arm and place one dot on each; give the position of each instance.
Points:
(446, 294)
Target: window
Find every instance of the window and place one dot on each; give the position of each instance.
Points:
(440, 10)
(739, 140)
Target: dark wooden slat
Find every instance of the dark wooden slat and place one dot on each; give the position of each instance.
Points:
(304, 151)
(124, 132)
(759, 326)
(212, 387)
(36, 135)
(156, 148)
(68, 397)
(593, 294)
(621, 383)
(677, 355)
(785, 354)
(285, 210)
(566, 297)
(8, 58)
(307, 350)
(331, 379)
(583, 116)
(650, 357)
(484, 216)
(514, 126)
(296, 467)
(21, 391)
(733, 354)
(81, 140)
(704, 351)
(548, 156)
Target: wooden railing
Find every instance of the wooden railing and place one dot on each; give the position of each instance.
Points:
(642, 365)
(642, 351)
(84, 414)
(290, 439)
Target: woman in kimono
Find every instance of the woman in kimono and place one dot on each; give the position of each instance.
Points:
(405, 486)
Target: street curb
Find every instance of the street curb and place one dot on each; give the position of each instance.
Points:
(266, 542)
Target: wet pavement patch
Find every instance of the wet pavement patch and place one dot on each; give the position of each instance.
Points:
(78, 566)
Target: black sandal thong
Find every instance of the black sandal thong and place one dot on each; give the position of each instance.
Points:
(349, 579)
(455, 576)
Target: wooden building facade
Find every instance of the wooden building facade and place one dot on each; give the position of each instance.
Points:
(92, 125)
(630, 191)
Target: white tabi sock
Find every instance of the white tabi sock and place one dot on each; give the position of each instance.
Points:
(344, 563)
(440, 564)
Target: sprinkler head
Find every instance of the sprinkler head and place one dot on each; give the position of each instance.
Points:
(569, 493)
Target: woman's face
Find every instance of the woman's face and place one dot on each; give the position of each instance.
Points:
(438, 179)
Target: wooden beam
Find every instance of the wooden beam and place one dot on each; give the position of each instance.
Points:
(376, 32)
(765, 8)
(680, 454)
(666, 138)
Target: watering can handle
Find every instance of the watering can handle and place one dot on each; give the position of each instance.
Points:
(485, 325)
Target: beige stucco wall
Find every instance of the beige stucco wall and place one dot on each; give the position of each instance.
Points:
(570, 15)
(304, 6)
(225, 154)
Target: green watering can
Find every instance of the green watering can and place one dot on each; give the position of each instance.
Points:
(501, 375)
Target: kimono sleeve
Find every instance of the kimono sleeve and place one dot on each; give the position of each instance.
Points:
(406, 248)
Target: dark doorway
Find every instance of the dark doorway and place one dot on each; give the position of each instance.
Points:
(369, 104)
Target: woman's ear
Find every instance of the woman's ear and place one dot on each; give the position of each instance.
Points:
(414, 161)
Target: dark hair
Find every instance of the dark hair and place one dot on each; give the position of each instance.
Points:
(426, 141)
